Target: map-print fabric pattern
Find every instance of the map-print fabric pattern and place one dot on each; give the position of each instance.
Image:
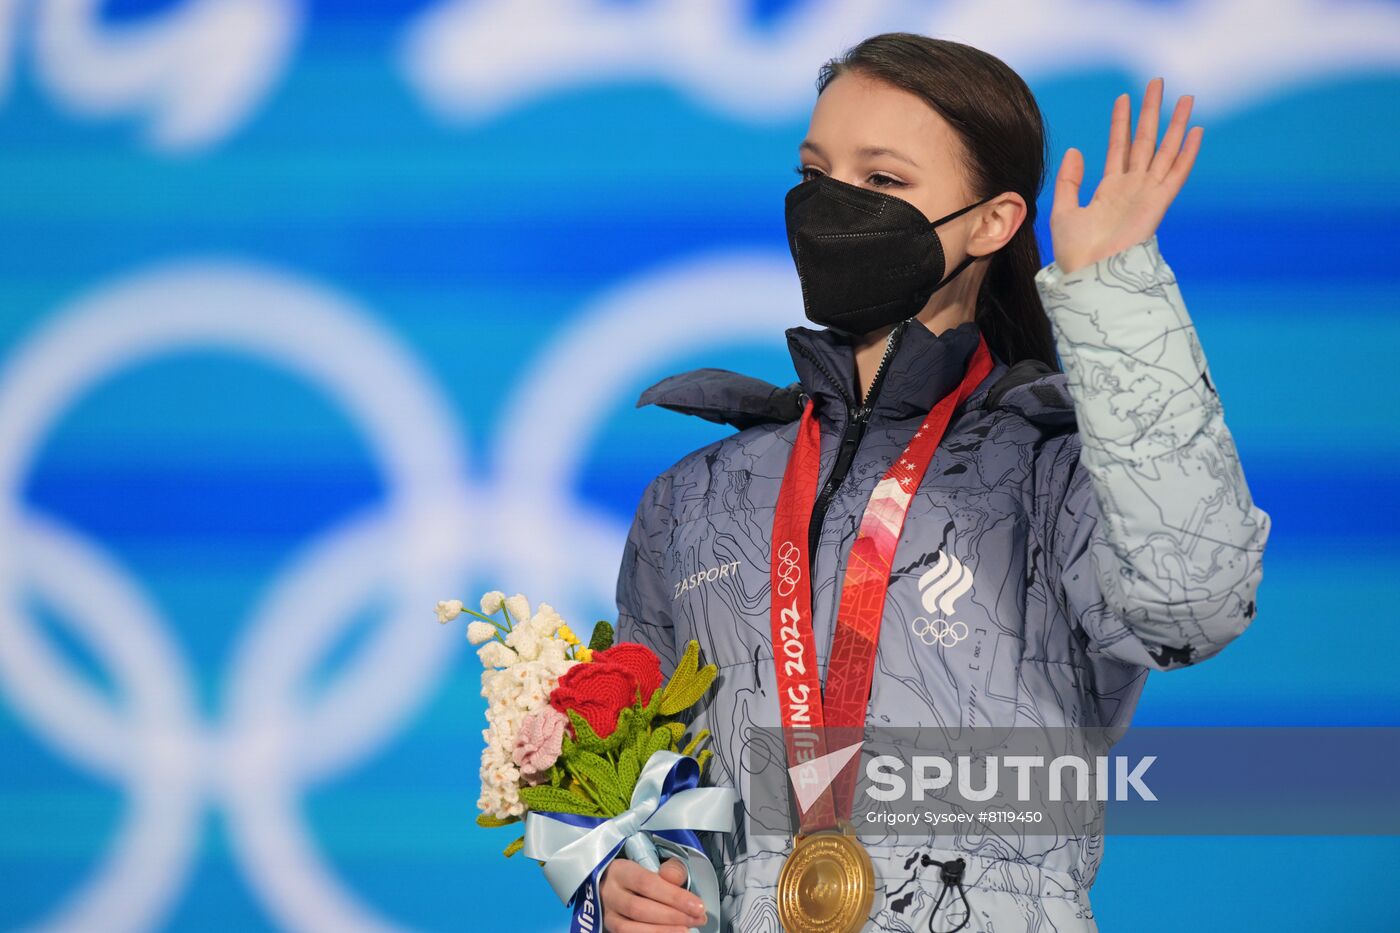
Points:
(1074, 531)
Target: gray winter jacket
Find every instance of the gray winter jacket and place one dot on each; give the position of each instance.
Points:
(1100, 514)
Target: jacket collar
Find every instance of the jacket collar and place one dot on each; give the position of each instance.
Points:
(924, 368)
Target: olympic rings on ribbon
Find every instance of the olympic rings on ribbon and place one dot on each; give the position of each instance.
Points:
(789, 570)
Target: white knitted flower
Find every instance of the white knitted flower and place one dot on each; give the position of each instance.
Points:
(525, 639)
(518, 676)
(519, 608)
(501, 716)
(495, 654)
(500, 790)
(478, 633)
(501, 690)
(536, 685)
(488, 676)
(552, 651)
(557, 668)
(494, 755)
(500, 778)
(448, 609)
(546, 620)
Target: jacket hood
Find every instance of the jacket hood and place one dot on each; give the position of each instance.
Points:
(923, 368)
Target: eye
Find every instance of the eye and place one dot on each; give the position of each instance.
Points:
(889, 181)
(802, 171)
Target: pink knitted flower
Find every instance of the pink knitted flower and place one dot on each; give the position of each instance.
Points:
(539, 741)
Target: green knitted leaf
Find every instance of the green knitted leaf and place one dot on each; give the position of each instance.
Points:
(491, 822)
(630, 721)
(601, 777)
(677, 730)
(694, 743)
(685, 670)
(514, 847)
(626, 725)
(689, 693)
(660, 740)
(704, 757)
(646, 712)
(575, 787)
(548, 799)
(629, 768)
(640, 741)
(602, 638)
(584, 737)
(597, 770)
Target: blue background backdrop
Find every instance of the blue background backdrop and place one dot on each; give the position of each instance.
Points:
(472, 230)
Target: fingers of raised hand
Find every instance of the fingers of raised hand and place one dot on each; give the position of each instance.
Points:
(1173, 160)
(1067, 181)
(1168, 163)
(1145, 140)
(1117, 161)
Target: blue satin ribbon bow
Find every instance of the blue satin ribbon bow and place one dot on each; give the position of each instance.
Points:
(668, 808)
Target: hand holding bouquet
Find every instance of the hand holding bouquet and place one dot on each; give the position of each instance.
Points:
(583, 744)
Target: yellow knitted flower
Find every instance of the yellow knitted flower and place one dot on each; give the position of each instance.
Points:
(584, 654)
(567, 634)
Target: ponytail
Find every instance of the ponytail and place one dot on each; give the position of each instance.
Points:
(1009, 312)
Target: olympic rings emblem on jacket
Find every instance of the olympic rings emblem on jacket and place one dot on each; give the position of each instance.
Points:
(939, 631)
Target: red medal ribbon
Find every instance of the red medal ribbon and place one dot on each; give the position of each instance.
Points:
(805, 712)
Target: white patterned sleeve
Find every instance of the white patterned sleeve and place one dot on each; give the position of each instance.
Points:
(1156, 543)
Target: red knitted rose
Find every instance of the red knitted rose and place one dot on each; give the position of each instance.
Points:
(639, 661)
(597, 692)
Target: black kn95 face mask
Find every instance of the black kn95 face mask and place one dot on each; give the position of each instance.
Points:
(865, 259)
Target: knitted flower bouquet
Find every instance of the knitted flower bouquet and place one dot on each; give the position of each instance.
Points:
(584, 741)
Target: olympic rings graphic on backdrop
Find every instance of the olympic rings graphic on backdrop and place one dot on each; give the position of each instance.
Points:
(789, 570)
(939, 631)
(272, 740)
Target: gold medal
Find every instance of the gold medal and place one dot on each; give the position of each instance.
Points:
(827, 884)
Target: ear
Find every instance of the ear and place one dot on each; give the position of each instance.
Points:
(997, 222)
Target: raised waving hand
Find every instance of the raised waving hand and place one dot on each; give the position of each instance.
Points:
(1140, 179)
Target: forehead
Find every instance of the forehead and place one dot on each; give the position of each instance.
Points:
(856, 111)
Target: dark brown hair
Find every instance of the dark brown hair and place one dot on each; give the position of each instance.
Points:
(1003, 134)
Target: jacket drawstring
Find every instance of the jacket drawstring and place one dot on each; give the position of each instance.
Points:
(951, 874)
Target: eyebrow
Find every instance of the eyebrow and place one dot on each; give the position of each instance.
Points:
(864, 150)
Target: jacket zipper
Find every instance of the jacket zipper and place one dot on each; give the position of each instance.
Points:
(856, 421)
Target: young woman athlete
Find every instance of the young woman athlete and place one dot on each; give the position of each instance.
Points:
(934, 525)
